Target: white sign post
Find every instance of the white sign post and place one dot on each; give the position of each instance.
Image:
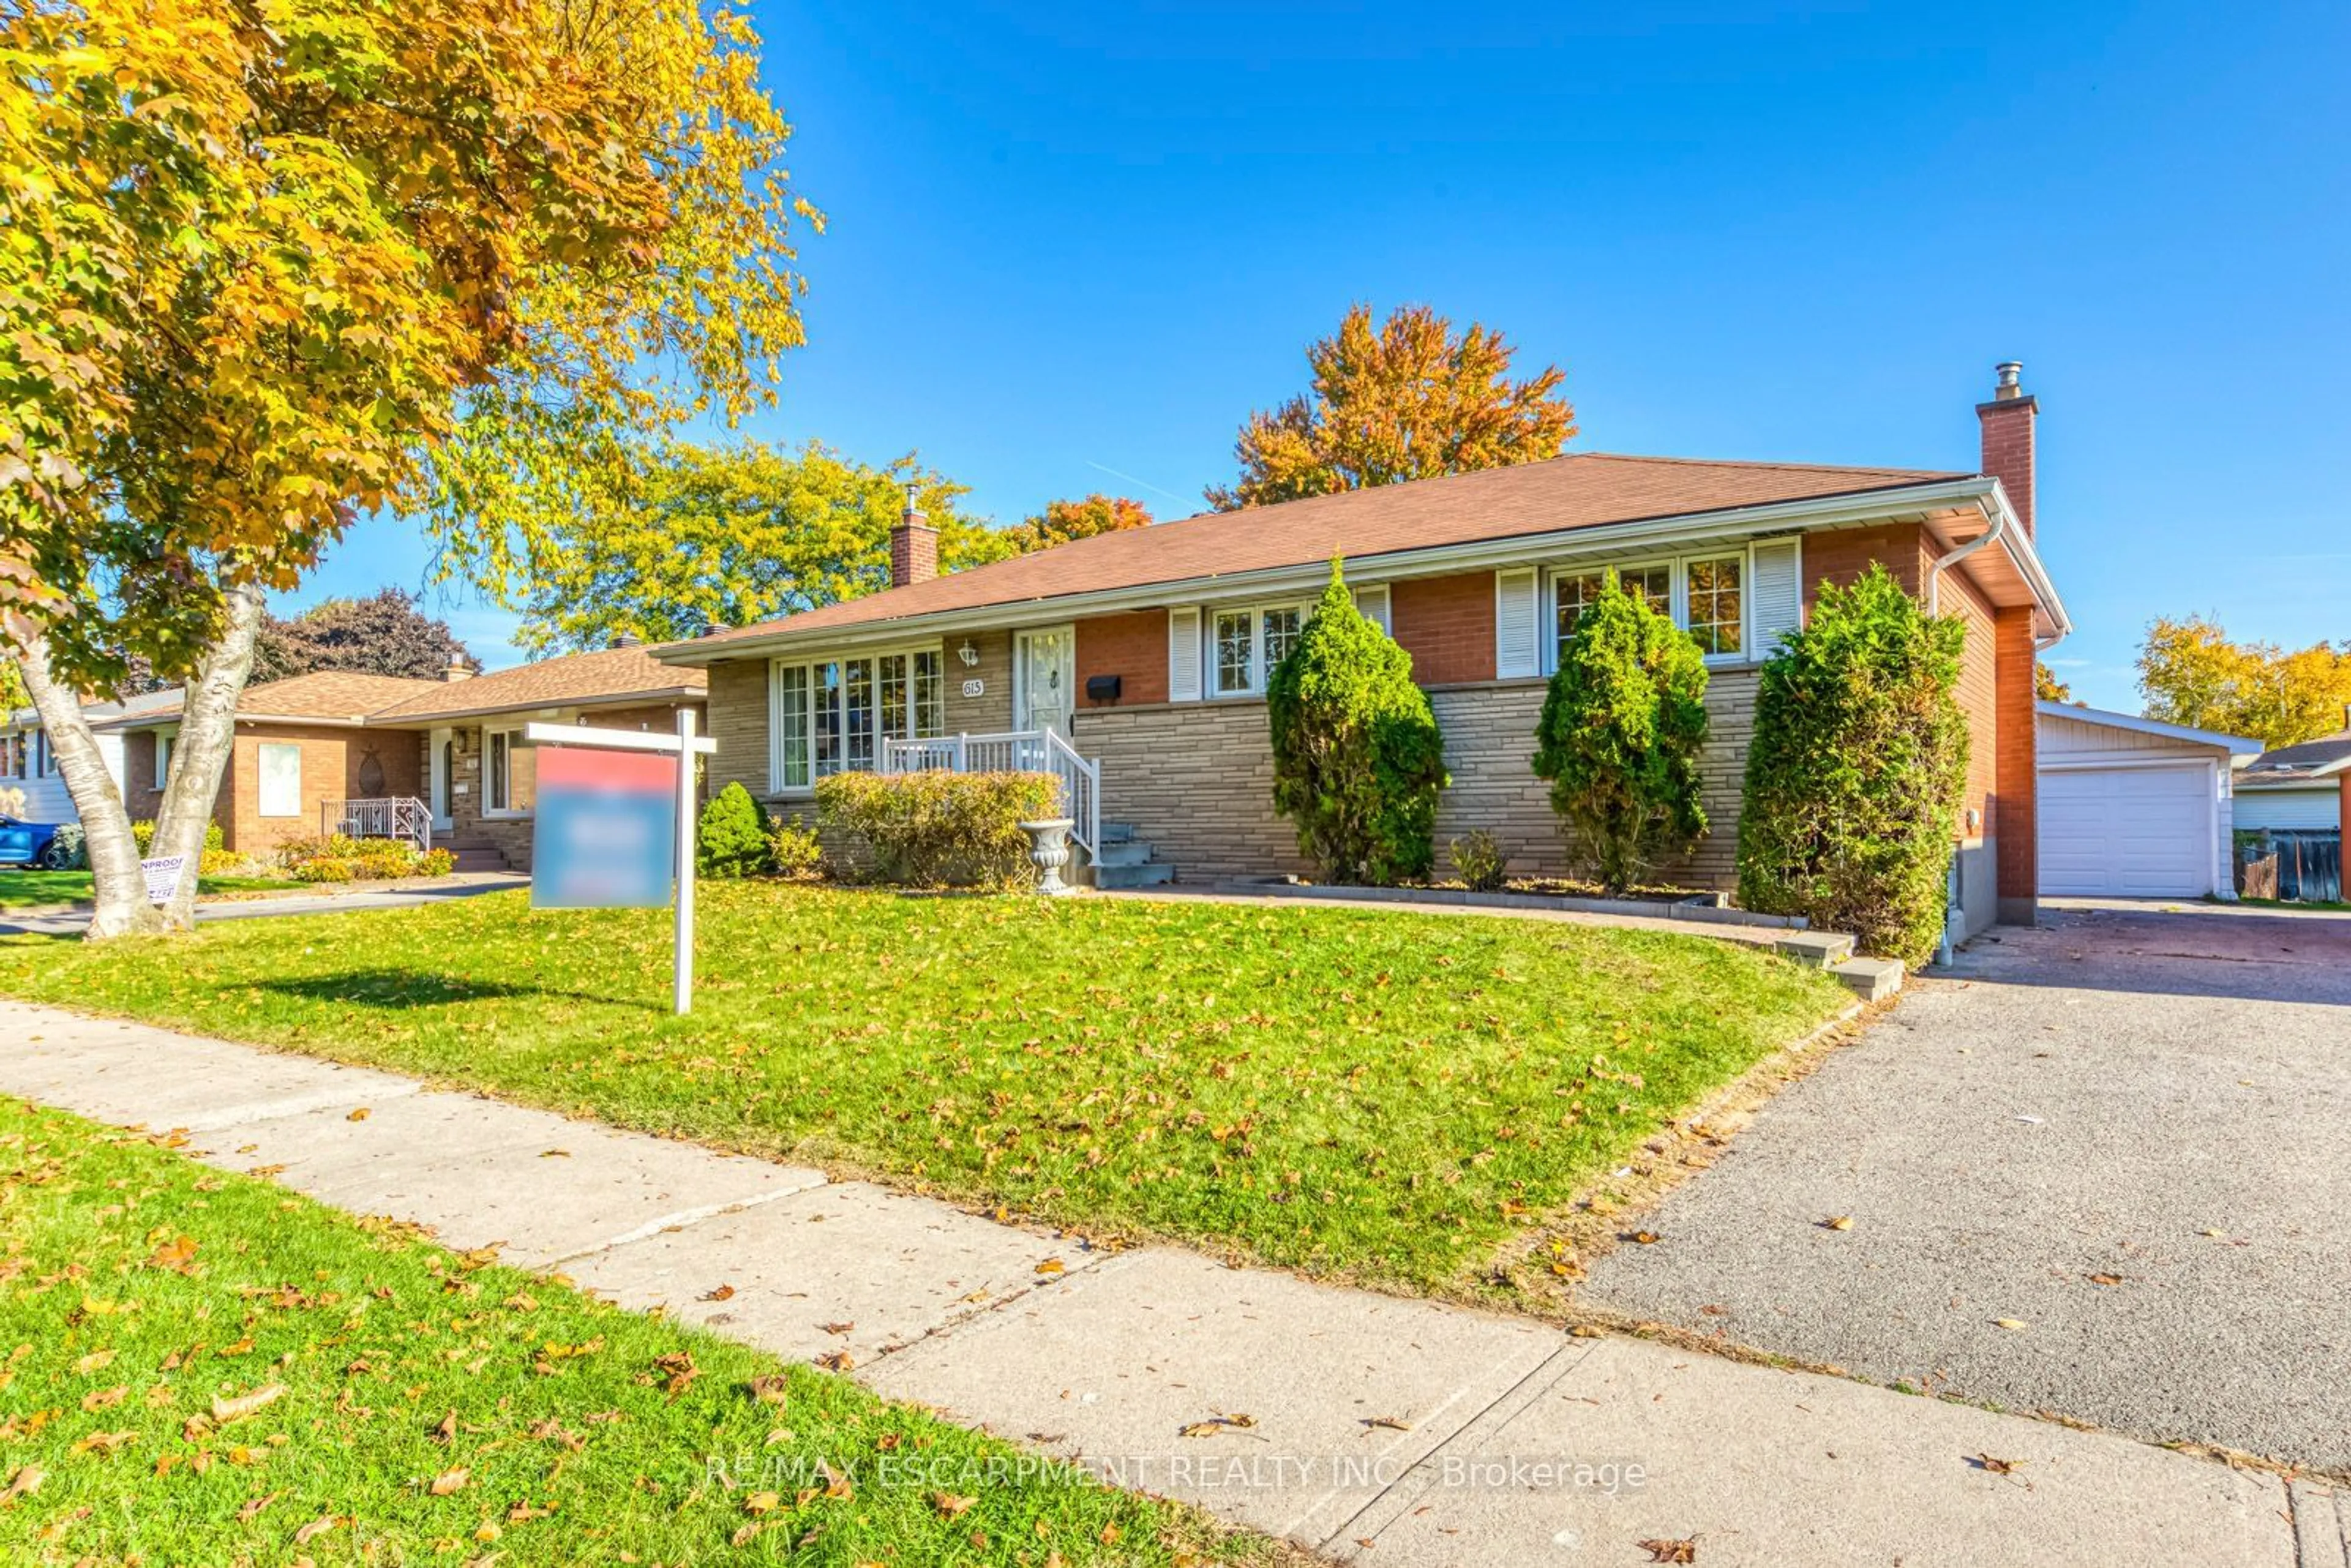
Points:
(685, 746)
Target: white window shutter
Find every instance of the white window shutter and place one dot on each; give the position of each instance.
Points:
(1371, 603)
(1775, 593)
(1518, 624)
(1184, 656)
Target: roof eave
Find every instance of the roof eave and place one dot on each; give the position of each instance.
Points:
(1853, 509)
(536, 704)
(2235, 745)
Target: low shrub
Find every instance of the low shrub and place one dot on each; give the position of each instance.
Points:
(1859, 770)
(222, 862)
(732, 839)
(70, 849)
(792, 849)
(334, 858)
(929, 830)
(1478, 862)
(143, 834)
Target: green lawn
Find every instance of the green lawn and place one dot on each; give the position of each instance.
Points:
(25, 889)
(412, 1405)
(1362, 1093)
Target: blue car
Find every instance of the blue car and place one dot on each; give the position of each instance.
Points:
(31, 844)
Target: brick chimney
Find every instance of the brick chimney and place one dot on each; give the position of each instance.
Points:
(458, 670)
(913, 547)
(2007, 423)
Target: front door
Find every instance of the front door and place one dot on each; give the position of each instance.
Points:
(1044, 673)
(444, 764)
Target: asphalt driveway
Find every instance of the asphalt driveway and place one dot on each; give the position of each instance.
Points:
(2104, 1171)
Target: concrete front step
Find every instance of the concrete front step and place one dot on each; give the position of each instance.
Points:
(1120, 852)
(1871, 979)
(1150, 873)
(479, 859)
(1117, 832)
(1815, 949)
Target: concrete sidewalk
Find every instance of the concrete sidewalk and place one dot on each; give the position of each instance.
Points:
(74, 921)
(1372, 1429)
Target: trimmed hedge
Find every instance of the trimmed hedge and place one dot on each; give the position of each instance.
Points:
(1619, 738)
(1859, 770)
(143, 834)
(1358, 761)
(334, 858)
(934, 829)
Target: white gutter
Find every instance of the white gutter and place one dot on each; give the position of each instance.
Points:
(1431, 560)
(1984, 540)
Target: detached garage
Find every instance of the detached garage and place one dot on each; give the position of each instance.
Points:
(2133, 808)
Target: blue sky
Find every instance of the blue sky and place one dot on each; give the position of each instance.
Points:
(1071, 248)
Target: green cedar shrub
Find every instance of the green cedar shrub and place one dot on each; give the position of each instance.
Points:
(1859, 770)
(1358, 761)
(733, 836)
(1619, 738)
(937, 829)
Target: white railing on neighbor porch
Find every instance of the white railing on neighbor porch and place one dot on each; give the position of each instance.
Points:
(1012, 751)
(394, 817)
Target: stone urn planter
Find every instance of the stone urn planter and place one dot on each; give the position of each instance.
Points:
(1049, 851)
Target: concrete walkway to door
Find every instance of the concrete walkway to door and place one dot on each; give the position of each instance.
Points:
(1383, 1430)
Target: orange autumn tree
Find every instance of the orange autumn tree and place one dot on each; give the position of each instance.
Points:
(1410, 400)
(1063, 521)
(267, 267)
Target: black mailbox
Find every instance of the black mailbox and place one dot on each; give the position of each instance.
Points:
(1102, 688)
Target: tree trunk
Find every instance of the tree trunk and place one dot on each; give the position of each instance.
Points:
(121, 886)
(200, 754)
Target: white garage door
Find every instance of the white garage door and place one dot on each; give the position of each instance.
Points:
(2135, 831)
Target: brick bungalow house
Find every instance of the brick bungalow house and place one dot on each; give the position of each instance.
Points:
(1144, 653)
(312, 750)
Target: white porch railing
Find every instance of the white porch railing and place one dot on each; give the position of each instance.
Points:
(1012, 751)
(394, 817)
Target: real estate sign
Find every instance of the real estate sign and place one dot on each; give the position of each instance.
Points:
(607, 832)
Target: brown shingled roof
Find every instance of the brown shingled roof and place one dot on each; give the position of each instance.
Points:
(1580, 490)
(614, 675)
(323, 697)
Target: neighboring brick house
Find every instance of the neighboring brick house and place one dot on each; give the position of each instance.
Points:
(308, 747)
(1146, 650)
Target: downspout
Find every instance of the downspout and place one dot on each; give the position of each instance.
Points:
(1954, 914)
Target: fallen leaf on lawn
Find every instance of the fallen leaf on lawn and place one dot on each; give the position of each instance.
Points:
(24, 1483)
(552, 1431)
(1645, 1237)
(744, 1537)
(949, 1504)
(1996, 1467)
(244, 1405)
(1585, 1331)
(1837, 1222)
(2106, 1278)
(95, 1361)
(836, 1328)
(359, 1115)
(1051, 1266)
(1109, 1536)
(723, 1292)
(1660, 1551)
(315, 1529)
(98, 1399)
(677, 1372)
(2010, 1323)
(761, 1502)
(836, 1361)
(245, 1515)
(448, 1482)
(769, 1389)
(173, 1254)
(446, 1429)
(103, 1443)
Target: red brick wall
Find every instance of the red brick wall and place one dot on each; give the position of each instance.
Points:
(1447, 624)
(1131, 647)
(1842, 555)
(2017, 766)
(1979, 698)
